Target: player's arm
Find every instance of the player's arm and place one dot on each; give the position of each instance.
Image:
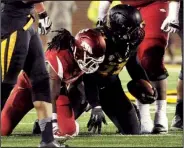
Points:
(102, 11)
(171, 23)
(140, 86)
(63, 115)
(55, 85)
(137, 72)
(44, 21)
(92, 96)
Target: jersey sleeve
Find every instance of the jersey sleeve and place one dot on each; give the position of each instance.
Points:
(53, 58)
(91, 89)
(134, 69)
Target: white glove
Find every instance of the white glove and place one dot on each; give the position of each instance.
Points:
(44, 23)
(171, 23)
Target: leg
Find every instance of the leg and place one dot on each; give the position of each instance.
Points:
(68, 108)
(14, 50)
(151, 52)
(77, 97)
(177, 122)
(36, 69)
(18, 104)
(119, 108)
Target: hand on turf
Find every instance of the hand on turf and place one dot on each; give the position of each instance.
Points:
(44, 24)
(96, 119)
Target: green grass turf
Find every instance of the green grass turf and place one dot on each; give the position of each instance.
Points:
(172, 79)
(21, 137)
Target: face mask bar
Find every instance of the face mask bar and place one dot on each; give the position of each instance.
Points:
(89, 64)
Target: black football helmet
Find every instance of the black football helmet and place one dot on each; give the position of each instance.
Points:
(126, 23)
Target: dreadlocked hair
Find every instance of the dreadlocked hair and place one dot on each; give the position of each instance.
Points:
(63, 40)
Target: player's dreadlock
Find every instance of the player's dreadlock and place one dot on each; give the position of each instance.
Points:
(63, 40)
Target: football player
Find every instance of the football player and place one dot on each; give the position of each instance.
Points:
(150, 54)
(67, 59)
(123, 32)
(172, 24)
(21, 48)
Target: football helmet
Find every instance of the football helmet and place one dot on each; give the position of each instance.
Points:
(89, 50)
(126, 24)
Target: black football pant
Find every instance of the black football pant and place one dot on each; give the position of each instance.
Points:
(21, 49)
(114, 102)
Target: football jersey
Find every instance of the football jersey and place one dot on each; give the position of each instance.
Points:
(115, 56)
(137, 3)
(17, 8)
(63, 63)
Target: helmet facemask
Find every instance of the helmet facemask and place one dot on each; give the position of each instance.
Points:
(85, 60)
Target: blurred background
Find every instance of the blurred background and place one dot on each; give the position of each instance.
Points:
(77, 15)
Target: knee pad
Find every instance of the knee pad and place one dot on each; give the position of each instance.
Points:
(151, 56)
(65, 115)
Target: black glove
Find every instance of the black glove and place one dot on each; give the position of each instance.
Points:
(45, 23)
(96, 119)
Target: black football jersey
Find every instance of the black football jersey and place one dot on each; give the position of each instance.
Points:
(17, 7)
(116, 57)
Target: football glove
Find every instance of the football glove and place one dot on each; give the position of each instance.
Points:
(96, 119)
(44, 23)
(171, 23)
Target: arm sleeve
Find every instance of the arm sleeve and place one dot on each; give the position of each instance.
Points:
(103, 9)
(91, 90)
(135, 70)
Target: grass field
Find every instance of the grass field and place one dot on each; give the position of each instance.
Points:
(21, 137)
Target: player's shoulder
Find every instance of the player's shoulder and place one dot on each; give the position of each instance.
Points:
(59, 60)
(54, 54)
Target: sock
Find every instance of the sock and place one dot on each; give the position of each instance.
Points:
(161, 106)
(179, 108)
(46, 129)
(144, 110)
(54, 122)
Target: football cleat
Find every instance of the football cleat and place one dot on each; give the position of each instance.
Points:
(160, 124)
(51, 144)
(146, 126)
(58, 136)
(177, 123)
